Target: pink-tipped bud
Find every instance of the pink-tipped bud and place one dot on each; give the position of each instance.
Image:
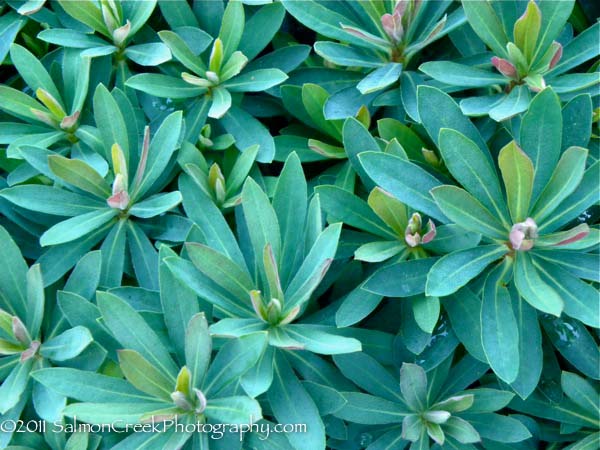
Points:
(431, 232)
(201, 405)
(69, 122)
(181, 401)
(121, 33)
(392, 25)
(20, 331)
(557, 56)
(31, 351)
(505, 67)
(120, 200)
(523, 234)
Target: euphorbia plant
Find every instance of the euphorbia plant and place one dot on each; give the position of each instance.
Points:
(527, 57)
(117, 23)
(212, 77)
(526, 230)
(33, 336)
(98, 211)
(55, 117)
(420, 407)
(379, 37)
(156, 389)
(267, 284)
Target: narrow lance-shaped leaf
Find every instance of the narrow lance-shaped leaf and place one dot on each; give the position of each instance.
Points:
(518, 173)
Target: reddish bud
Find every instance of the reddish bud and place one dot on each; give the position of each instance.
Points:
(505, 67)
(557, 56)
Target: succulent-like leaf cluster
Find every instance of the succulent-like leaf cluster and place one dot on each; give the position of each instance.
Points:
(299, 224)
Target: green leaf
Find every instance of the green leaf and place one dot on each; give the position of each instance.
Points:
(370, 410)
(79, 174)
(200, 208)
(383, 169)
(582, 198)
(134, 333)
(66, 345)
(232, 27)
(13, 277)
(324, 343)
(224, 272)
(164, 86)
(464, 209)
(579, 297)
(179, 304)
(518, 175)
(413, 385)
(471, 167)
(256, 80)
(87, 13)
(541, 137)
(33, 72)
(426, 311)
(19, 104)
(156, 205)
(163, 145)
(527, 30)
(221, 102)
(143, 256)
(263, 226)
(345, 55)
(248, 131)
(498, 428)
(380, 78)
(232, 361)
(453, 271)
(85, 277)
(438, 110)
(151, 54)
(578, 50)
(512, 104)
(464, 310)
(313, 268)
(530, 347)
(182, 52)
(70, 38)
(499, 330)
(87, 386)
(14, 385)
(260, 29)
(378, 251)
(50, 200)
(113, 255)
(35, 301)
(234, 410)
(357, 305)
(314, 98)
(144, 376)
(342, 205)
(461, 430)
(565, 179)
(402, 279)
(461, 75)
(290, 202)
(533, 289)
(326, 21)
(292, 404)
(76, 227)
(487, 25)
(103, 413)
(580, 391)
(110, 121)
(198, 348)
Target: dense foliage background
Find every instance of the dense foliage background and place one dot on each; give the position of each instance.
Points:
(377, 218)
